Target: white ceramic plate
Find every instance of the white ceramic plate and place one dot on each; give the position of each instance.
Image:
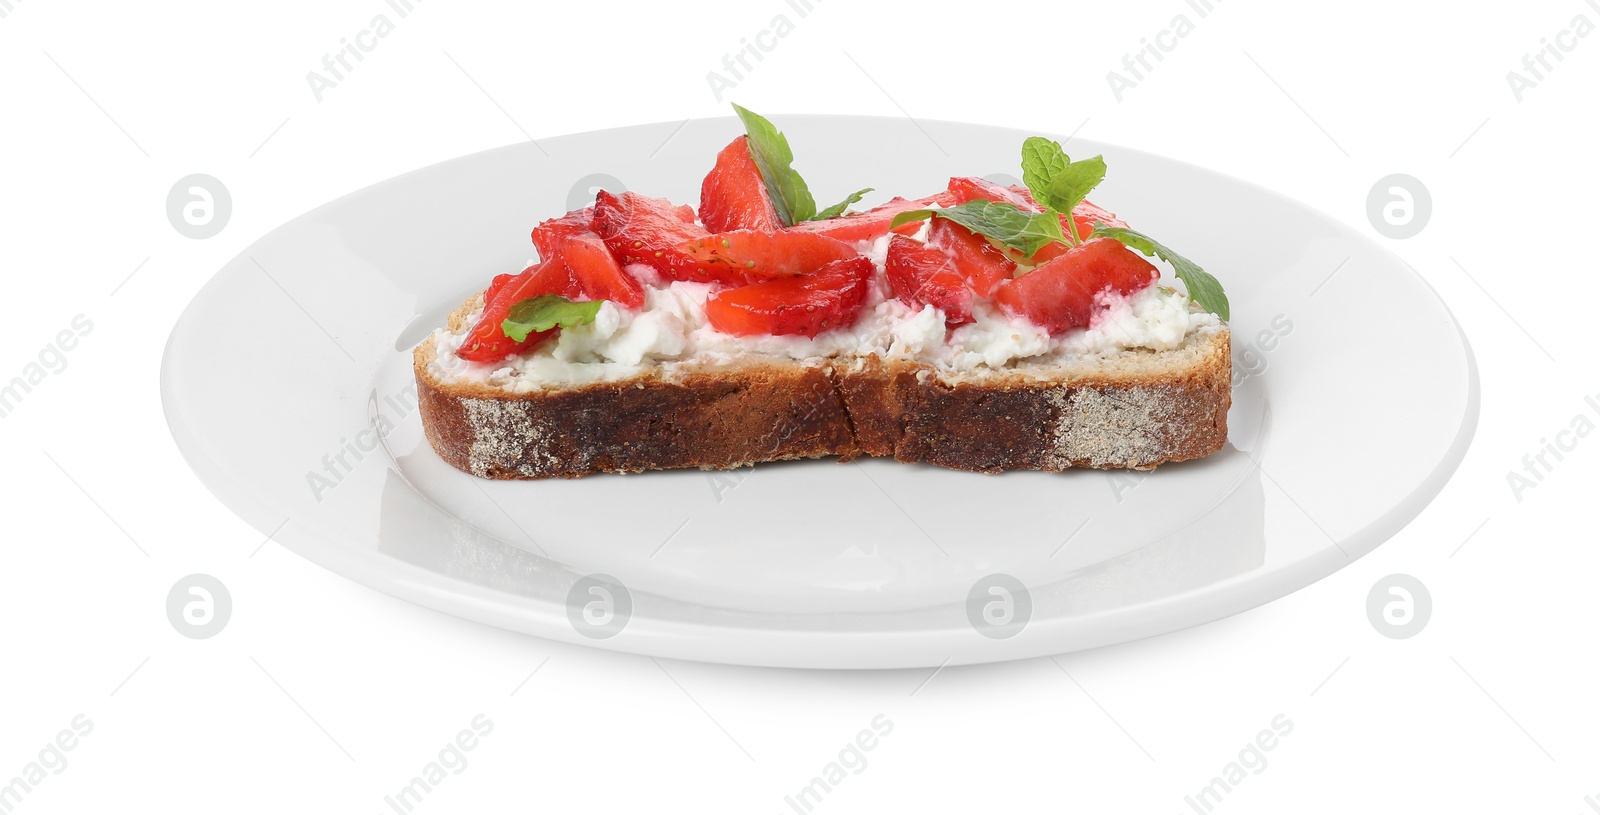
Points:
(1356, 396)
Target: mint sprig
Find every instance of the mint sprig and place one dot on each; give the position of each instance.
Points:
(1025, 232)
(545, 312)
(1059, 185)
(1203, 288)
(1057, 182)
(769, 148)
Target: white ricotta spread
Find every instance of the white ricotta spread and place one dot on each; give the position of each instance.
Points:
(672, 328)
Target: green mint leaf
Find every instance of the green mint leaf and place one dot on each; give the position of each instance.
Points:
(545, 312)
(1042, 161)
(838, 209)
(903, 218)
(770, 150)
(1057, 182)
(1073, 184)
(1203, 288)
(1026, 232)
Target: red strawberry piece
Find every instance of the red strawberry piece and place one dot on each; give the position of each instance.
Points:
(922, 275)
(683, 212)
(808, 304)
(965, 189)
(640, 229)
(548, 233)
(754, 256)
(1086, 214)
(597, 272)
(874, 223)
(733, 196)
(1060, 294)
(980, 262)
(499, 283)
(487, 342)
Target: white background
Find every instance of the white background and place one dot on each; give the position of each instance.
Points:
(324, 696)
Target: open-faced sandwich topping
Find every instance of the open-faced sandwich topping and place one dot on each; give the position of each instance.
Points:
(1039, 254)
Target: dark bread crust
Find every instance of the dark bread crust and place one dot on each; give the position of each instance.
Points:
(710, 420)
(1144, 409)
(994, 424)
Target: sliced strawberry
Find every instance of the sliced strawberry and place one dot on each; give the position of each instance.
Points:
(922, 276)
(1060, 294)
(809, 304)
(874, 223)
(755, 256)
(499, 283)
(1046, 253)
(548, 233)
(1086, 214)
(576, 265)
(486, 342)
(733, 196)
(980, 263)
(639, 229)
(964, 189)
(597, 272)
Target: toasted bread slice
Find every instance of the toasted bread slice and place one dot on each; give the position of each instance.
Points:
(1135, 409)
